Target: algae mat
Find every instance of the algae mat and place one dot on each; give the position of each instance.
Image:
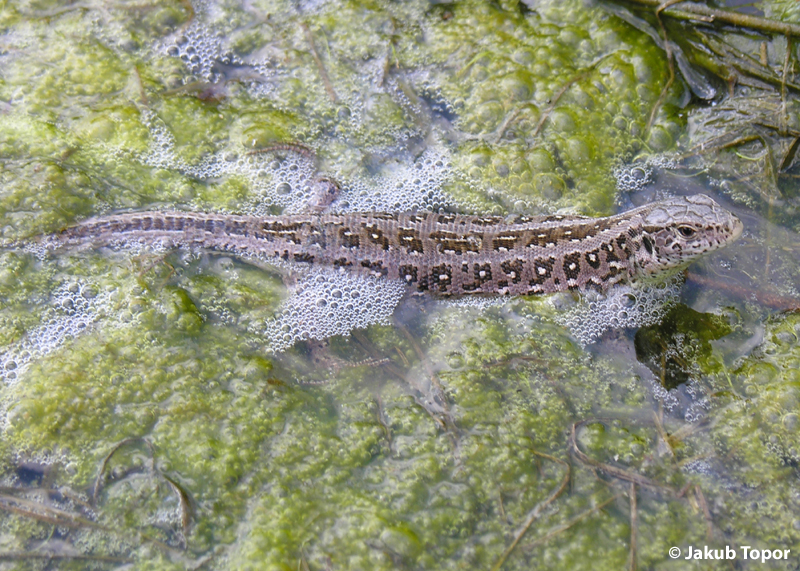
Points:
(156, 416)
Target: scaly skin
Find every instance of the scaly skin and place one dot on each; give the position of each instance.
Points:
(448, 254)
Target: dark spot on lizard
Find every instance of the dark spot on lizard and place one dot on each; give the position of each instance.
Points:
(349, 239)
(513, 270)
(572, 265)
(593, 258)
(542, 270)
(408, 273)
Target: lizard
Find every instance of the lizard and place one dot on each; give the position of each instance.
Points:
(443, 253)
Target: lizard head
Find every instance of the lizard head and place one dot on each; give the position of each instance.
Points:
(678, 230)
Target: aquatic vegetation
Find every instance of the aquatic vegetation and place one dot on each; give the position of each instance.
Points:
(167, 434)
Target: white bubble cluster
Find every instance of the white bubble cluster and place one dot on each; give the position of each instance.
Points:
(326, 302)
(697, 410)
(162, 144)
(289, 179)
(700, 466)
(691, 399)
(634, 177)
(416, 186)
(289, 182)
(199, 48)
(633, 305)
(670, 399)
(480, 302)
(202, 47)
(76, 307)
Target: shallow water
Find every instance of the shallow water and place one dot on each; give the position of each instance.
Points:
(176, 409)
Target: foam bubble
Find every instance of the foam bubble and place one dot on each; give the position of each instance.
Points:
(162, 144)
(415, 186)
(634, 177)
(199, 48)
(327, 302)
(289, 179)
(76, 306)
(633, 305)
(700, 466)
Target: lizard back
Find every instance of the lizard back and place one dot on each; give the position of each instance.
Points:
(447, 254)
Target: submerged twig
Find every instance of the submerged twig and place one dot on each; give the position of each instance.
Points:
(52, 13)
(140, 85)
(98, 482)
(374, 354)
(59, 517)
(769, 191)
(323, 73)
(786, 59)
(463, 71)
(767, 299)
(726, 17)
(789, 155)
(662, 433)
(184, 501)
(746, 64)
(670, 80)
(534, 514)
(380, 415)
(634, 516)
(613, 471)
(573, 521)
(502, 129)
(437, 385)
(701, 500)
(702, 148)
(47, 514)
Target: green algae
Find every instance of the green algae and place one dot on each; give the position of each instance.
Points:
(696, 330)
(572, 98)
(436, 462)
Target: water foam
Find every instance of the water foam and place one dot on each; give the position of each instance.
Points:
(289, 179)
(635, 177)
(76, 307)
(633, 305)
(326, 302)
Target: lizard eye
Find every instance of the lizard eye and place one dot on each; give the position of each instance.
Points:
(686, 231)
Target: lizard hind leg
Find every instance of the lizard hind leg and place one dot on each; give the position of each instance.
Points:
(326, 191)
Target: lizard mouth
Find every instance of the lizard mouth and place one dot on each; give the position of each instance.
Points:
(737, 229)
